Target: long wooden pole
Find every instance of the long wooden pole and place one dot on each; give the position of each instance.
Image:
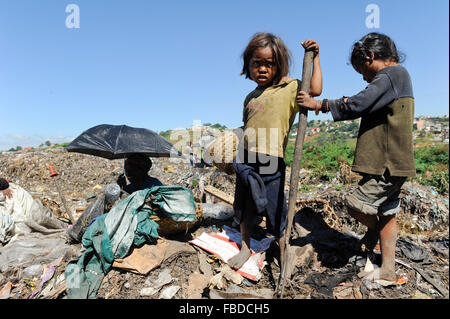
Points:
(295, 167)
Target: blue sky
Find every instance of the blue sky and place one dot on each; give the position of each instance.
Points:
(162, 65)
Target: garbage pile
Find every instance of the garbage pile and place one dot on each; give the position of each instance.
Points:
(189, 263)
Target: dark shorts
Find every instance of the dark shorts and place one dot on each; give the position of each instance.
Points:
(376, 195)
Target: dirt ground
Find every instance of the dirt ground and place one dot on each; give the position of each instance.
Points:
(326, 264)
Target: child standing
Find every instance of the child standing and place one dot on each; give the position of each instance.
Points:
(269, 112)
(384, 153)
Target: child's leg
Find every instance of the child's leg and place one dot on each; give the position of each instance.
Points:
(370, 239)
(388, 238)
(246, 226)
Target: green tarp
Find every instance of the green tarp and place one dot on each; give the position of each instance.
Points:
(112, 235)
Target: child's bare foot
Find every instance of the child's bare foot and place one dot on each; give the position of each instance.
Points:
(238, 260)
(387, 273)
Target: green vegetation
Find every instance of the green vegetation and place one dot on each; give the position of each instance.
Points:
(218, 126)
(432, 166)
(323, 154)
(60, 145)
(323, 158)
(194, 183)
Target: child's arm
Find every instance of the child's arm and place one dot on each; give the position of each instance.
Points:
(374, 97)
(316, 78)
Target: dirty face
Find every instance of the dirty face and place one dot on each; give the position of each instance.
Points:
(262, 67)
(367, 71)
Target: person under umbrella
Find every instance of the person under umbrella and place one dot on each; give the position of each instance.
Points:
(136, 167)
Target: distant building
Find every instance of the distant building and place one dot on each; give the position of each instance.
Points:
(420, 124)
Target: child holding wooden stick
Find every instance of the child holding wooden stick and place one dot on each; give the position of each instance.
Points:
(384, 154)
(269, 112)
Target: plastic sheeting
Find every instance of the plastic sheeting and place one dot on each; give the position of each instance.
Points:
(34, 248)
(27, 214)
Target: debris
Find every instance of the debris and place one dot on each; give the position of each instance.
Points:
(325, 284)
(387, 283)
(423, 221)
(218, 281)
(28, 214)
(236, 292)
(411, 250)
(226, 244)
(347, 292)
(196, 284)
(420, 295)
(219, 194)
(164, 278)
(6, 290)
(111, 236)
(231, 274)
(34, 248)
(144, 259)
(217, 211)
(99, 207)
(47, 275)
(148, 291)
(54, 289)
(442, 290)
(204, 266)
(169, 292)
(33, 271)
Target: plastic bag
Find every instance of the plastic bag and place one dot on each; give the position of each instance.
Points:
(216, 211)
(175, 202)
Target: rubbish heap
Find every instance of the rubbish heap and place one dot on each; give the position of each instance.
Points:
(176, 266)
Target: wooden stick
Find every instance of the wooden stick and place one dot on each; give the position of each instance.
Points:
(295, 167)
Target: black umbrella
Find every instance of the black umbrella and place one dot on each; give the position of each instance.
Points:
(119, 141)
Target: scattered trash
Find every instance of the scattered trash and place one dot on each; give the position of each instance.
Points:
(143, 259)
(411, 250)
(226, 244)
(420, 295)
(421, 256)
(34, 248)
(169, 292)
(33, 271)
(164, 278)
(196, 285)
(347, 292)
(236, 292)
(325, 284)
(27, 214)
(48, 274)
(204, 266)
(217, 211)
(6, 291)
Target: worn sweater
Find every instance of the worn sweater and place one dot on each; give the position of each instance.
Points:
(386, 109)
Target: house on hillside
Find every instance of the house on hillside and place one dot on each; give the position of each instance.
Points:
(419, 125)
